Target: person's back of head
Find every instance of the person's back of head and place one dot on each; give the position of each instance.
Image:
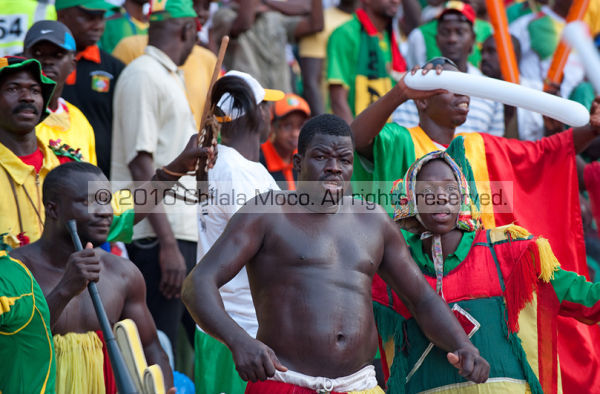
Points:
(238, 99)
(173, 28)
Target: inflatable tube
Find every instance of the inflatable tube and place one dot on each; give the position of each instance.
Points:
(561, 54)
(504, 46)
(566, 111)
(578, 36)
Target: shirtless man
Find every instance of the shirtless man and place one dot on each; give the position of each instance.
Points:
(64, 274)
(310, 267)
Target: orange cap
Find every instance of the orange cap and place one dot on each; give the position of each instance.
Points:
(289, 103)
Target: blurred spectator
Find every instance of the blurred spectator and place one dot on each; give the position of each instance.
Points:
(51, 43)
(289, 115)
(364, 59)
(197, 69)
(91, 86)
(527, 125)
(423, 44)
(539, 35)
(455, 38)
(16, 17)
(259, 36)
(152, 123)
(242, 103)
(128, 21)
(313, 55)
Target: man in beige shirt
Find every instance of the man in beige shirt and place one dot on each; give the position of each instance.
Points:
(153, 123)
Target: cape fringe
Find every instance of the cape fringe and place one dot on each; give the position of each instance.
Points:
(548, 261)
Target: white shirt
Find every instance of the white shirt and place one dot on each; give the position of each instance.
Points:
(485, 116)
(152, 114)
(232, 181)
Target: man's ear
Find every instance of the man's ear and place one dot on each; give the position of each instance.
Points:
(297, 160)
(73, 63)
(421, 104)
(52, 210)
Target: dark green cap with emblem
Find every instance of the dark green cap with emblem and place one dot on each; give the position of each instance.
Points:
(161, 10)
(12, 64)
(90, 5)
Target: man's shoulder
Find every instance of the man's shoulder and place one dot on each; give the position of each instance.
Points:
(349, 29)
(110, 62)
(117, 265)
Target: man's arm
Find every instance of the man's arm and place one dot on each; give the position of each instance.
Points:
(82, 267)
(246, 13)
(429, 310)
(579, 298)
(239, 242)
(289, 7)
(312, 70)
(338, 95)
(369, 122)
(172, 264)
(313, 22)
(135, 308)
(583, 136)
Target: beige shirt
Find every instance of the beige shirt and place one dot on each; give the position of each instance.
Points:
(152, 114)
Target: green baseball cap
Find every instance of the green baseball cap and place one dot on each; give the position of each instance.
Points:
(167, 9)
(16, 63)
(92, 5)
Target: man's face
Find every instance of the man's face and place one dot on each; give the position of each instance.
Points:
(490, 66)
(287, 130)
(445, 109)
(21, 102)
(87, 26)
(383, 8)
(326, 165)
(438, 197)
(82, 202)
(455, 37)
(57, 63)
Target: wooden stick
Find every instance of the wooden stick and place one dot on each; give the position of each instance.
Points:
(203, 139)
(215, 75)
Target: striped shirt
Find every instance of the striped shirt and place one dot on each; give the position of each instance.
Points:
(485, 116)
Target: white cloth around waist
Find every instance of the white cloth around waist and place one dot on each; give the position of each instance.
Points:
(364, 379)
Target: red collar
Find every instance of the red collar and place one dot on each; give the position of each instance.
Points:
(91, 53)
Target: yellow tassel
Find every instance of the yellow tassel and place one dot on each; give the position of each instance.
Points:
(501, 233)
(517, 231)
(79, 363)
(548, 262)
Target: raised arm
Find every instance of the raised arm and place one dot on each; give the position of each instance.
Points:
(369, 122)
(429, 310)
(235, 248)
(583, 136)
(135, 308)
(313, 22)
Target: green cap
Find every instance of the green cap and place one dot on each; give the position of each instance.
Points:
(92, 5)
(16, 63)
(166, 9)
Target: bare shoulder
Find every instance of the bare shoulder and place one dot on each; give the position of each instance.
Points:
(119, 266)
(27, 255)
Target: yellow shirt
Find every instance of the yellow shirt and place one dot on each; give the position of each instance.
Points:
(27, 192)
(315, 45)
(592, 17)
(197, 69)
(72, 128)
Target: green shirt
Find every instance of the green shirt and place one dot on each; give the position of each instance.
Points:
(118, 28)
(342, 56)
(25, 338)
(423, 260)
